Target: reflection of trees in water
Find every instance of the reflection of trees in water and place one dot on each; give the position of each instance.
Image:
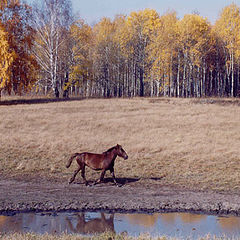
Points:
(192, 218)
(10, 224)
(145, 220)
(24, 222)
(44, 222)
(79, 223)
(55, 224)
(185, 217)
(95, 225)
(226, 223)
(229, 223)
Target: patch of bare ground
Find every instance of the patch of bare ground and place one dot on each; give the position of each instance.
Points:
(183, 143)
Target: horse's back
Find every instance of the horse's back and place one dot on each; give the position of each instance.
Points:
(94, 160)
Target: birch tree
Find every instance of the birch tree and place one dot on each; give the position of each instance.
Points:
(135, 38)
(228, 27)
(195, 43)
(52, 19)
(82, 47)
(162, 54)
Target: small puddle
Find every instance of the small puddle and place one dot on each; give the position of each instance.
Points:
(158, 224)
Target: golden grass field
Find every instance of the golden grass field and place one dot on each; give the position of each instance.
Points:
(186, 143)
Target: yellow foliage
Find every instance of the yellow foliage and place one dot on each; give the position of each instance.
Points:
(3, 4)
(6, 3)
(104, 30)
(82, 37)
(163, 46)
(195, 37)
(143, 22)
(228, 28)
(18, 67)
(138, 30)
(6, 59)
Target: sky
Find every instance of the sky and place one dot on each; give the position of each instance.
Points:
(93, 10)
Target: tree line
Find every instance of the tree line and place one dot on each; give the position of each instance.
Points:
(46, 50)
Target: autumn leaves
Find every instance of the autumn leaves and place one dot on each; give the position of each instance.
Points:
(142, 54)
(6, 57)
(145, 54)
(18, 67)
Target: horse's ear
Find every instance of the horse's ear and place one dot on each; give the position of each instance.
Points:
(117, 145)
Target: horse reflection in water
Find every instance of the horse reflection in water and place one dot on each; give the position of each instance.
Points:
(93, 226)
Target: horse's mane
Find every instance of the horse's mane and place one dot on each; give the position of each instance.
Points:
(109, 150)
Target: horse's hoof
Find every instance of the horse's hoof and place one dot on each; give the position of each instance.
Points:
(119, 185)
(70, 181)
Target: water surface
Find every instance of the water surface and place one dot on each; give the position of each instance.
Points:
(169, 224)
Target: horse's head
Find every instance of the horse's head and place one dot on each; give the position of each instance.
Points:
(120, 152)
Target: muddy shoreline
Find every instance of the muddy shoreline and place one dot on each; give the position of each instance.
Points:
(137, 196)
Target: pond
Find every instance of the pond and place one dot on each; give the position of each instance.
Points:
(180, 225)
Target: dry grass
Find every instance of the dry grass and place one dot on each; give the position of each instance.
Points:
(190, 143)
(104, 236)
(33, 236)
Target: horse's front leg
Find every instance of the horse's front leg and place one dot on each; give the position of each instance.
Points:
(101, 177)
(113, 175)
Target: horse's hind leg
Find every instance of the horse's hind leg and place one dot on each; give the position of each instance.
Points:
(83, 175)
(74, 174)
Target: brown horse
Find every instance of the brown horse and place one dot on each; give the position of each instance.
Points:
(104, 162)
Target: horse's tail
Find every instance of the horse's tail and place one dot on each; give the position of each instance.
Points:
(71, 159)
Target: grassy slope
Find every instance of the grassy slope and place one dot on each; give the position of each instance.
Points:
(188, 143)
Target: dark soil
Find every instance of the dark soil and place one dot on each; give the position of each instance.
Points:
(40, 194)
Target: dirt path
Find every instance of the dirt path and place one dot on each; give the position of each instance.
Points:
(19, 195)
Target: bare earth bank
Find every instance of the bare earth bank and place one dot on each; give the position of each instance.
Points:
(133, 196)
